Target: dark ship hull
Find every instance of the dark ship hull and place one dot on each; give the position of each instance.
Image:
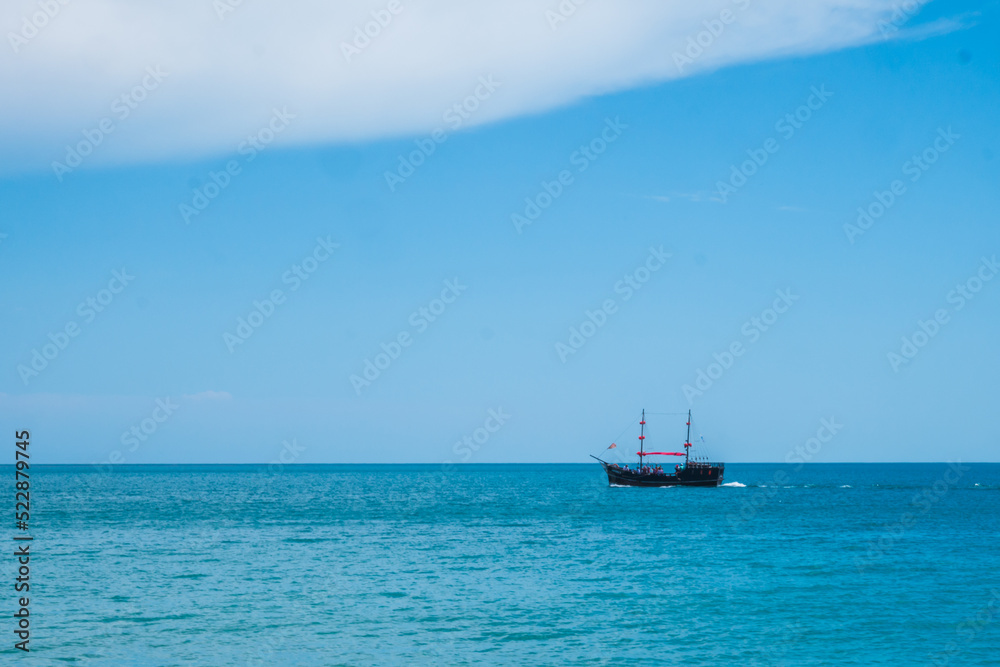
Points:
(691, 475)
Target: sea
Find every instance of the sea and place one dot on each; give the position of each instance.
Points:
(816, 564)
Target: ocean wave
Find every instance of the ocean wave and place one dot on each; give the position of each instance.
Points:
(734, 484)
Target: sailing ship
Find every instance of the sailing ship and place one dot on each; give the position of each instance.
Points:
(693, 472)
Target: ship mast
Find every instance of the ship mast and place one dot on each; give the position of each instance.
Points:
(642, 436)
(687, 441)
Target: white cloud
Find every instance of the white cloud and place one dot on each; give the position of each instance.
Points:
(224, 76)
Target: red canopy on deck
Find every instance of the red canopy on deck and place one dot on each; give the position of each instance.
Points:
(660, 453)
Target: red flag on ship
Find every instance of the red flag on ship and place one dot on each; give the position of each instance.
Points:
(612, 446)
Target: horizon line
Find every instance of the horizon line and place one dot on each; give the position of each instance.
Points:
(455, 465)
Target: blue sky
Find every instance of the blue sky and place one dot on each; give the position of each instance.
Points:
(856, 294)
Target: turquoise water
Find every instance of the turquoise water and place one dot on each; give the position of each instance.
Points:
(359, 565)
